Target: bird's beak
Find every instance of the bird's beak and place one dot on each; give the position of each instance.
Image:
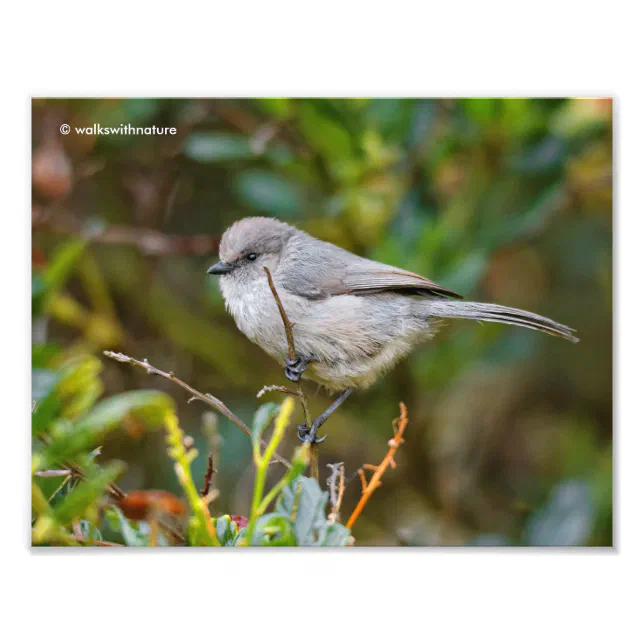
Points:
(220, 268)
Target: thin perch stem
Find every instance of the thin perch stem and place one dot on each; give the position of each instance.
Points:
(288, 329)
(288, 325)
(209, 399)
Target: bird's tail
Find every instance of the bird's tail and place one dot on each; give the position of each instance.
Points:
(504, 314)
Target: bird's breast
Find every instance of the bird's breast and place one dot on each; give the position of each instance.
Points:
(255, 312)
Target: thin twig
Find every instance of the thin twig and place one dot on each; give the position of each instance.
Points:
(394, 443)
(288, 325)
(209, 428)
(336, 490)
(209, 399)
(50, 474)
(147, 240)
(284, 390)
(288, 329)
(208, 478)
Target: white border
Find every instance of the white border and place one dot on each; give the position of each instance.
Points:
(358, 49)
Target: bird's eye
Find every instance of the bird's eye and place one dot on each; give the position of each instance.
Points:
(251, 256)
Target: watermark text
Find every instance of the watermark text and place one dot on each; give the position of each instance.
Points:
(123, 130)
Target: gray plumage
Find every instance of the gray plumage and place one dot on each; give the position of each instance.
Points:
(355, 317)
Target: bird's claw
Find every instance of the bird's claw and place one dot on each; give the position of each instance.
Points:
(295, 368)
(309, 434)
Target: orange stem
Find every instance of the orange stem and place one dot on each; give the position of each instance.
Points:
(394, 443)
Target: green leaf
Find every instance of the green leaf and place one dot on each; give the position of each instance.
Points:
(90, 531)
(69, 392)
(209, 147)
(61, 265)
(83, 400)
(134, 533)
(336, 535)
(274, 530)
(45, 411)
(145, 406)
(303, 504)
(45, 399)
(79, 385)
(263, 416)
(226, 530)
(81, 499)
(270, 193)
(304, 500)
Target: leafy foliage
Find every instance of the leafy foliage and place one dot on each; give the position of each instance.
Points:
(69, 425)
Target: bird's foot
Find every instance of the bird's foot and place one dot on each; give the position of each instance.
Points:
(310, 434)
(295, 368)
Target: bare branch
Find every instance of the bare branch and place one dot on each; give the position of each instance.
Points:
(50, 474)
(208, 478)
(394, 443)
(284, 390)
(288, 325)
(336, 489)
(209, 399)
(147, 240)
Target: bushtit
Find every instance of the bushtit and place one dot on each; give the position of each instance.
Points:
(354, 318)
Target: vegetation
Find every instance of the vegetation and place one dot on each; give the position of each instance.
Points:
(508, 433)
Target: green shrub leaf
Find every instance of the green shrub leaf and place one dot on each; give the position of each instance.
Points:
(263, 416)
(304, 503)
(146, 407)
(81, 499)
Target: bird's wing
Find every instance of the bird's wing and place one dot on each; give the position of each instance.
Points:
(376, 277)
(319, 270)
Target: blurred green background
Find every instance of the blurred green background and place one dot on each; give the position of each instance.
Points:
(501, 200)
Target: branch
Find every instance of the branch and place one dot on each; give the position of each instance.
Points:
(284, 390)
(147, 240)
(196, 395)
(288, 325)
(50, 474)
(208, 477)
(394, 443)
(336, 490)
(288, 330)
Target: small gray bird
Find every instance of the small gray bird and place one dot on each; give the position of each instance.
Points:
(354, 318)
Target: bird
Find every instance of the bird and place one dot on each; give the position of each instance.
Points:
(353, 318)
